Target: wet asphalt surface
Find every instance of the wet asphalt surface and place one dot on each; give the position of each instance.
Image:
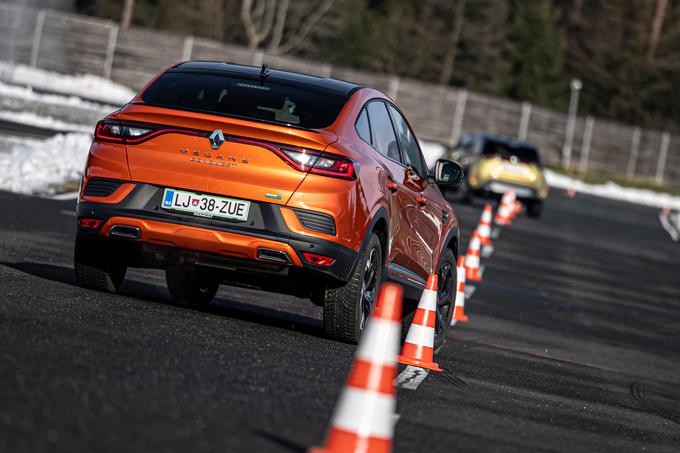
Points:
(573, 344)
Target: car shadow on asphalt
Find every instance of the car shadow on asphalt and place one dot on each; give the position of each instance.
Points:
(281, 441)
(149, 292)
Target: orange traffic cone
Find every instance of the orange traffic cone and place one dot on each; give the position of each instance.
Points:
(518, 209)
(571, 190)
(484, 227)
(363, 420)
(459, 308)
(418, 348)
(472, 259)
(503, 216)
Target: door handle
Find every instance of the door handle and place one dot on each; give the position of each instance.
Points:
(392, 187)
(422, 201)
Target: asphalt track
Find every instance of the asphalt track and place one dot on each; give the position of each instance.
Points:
(573, 344)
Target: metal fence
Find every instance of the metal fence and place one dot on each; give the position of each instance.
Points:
(76, 44)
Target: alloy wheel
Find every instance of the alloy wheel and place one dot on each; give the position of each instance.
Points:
(447, 282)
(369, 285)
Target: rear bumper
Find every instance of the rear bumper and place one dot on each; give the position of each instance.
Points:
(241, 246)
(497, 188)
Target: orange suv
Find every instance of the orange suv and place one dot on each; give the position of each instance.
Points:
(220, 173)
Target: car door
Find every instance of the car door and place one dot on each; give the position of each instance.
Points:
(392, 178)
(421, 210)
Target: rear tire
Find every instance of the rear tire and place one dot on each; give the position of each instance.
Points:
(534, 208)
(188, 288)
(97, 266)
(346, 309)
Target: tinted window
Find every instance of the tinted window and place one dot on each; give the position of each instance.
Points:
(363, 129)
(384, 139)
(507, 151)
(232, 96)
(408, 142)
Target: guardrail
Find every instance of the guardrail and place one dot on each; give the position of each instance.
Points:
(71, 44)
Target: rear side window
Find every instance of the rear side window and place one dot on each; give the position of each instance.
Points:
(363, 128)
(270, 101)
(408, 143)
(384, 139)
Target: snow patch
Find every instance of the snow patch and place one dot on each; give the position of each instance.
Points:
(45, 122)
(26, 93)
(432, 152)
(40, 166)
(83, 85)
(614, 191)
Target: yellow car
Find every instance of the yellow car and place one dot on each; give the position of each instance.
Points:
(496, 163)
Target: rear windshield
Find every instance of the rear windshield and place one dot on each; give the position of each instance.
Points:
(506, 151)
(245, 98)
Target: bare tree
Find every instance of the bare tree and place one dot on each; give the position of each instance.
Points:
(283, 26)
(126, 16)
(450, 56)
(657, 25)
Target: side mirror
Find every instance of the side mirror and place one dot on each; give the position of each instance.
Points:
(448, 173)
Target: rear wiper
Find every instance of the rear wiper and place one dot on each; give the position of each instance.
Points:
(264, 73)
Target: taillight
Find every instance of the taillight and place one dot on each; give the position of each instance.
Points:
(129, 132)
(307, 160)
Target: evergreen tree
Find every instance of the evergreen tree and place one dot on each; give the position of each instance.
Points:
(535, 52)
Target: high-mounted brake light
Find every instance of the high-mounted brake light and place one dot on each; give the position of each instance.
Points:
(128, 132)
(307, 160)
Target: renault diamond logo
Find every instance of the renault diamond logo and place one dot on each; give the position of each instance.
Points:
(216, 139)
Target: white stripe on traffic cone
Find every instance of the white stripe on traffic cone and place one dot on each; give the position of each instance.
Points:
(472, 259)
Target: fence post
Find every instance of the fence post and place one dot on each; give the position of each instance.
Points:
(524, 121)
(461, 101)
(258, 57)
(37, 37)
(585, 148)
(634, 151)
(393, 89)
(663, 152)
(110, 51)
(188, 48)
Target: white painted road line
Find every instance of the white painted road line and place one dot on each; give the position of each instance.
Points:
(487, 251)
(68, 213)
(670, 229)
(411, 377)
(469, 291)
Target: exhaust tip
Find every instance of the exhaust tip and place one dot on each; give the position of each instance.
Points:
(273, 255)
(125, 231)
